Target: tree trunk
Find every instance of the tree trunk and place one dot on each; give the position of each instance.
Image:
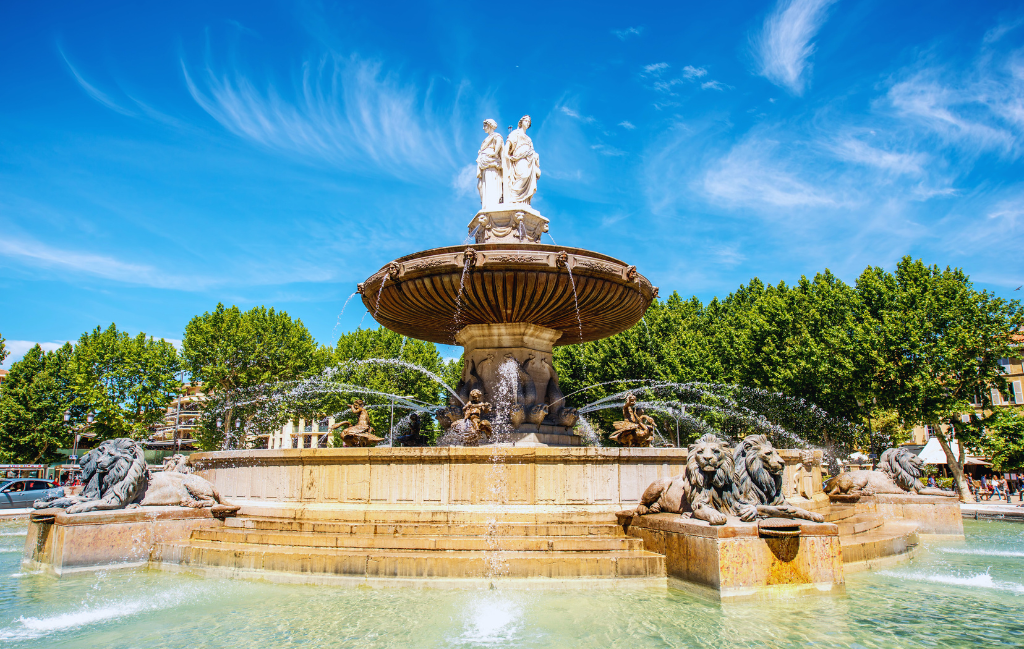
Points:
(226, 446)
(956, 467)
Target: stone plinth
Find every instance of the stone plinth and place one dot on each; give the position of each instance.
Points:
(732, 561)
(934, 515)
(512, 223)
(597, 480)
(513, 367)
(61, 543)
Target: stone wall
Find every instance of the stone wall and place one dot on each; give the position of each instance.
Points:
(733, 562)
(606, 479)
(60, 543)
(600, 479)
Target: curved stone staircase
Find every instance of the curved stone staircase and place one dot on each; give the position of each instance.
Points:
(869, 540)
(567, 546)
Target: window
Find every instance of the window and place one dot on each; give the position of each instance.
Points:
(997, 400)
(929, 432)
(295, 442)
(1005, 364)
(323, 427)
(1018, 394)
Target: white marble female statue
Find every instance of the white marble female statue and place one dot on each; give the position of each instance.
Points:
(488, 167)
(520, 165)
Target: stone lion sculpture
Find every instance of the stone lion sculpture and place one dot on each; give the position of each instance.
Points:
(898, 472)
(706, 491)
(177, 463)
(758, 475)
(116, 476)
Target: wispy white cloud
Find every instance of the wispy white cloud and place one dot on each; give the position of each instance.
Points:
(712, 85)
(346, 110)
(93, 91)
(851, 149)
(627, 125)
(18, 348)
(979, 111)
(623, 34)
(569, 112)
(691, 72)
(655, 68)
(464, 182)
(785, 43)
(752, 174)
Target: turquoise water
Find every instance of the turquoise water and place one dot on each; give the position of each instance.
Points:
(952, 595)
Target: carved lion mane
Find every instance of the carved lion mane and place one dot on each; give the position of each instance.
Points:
(903, 467)
(759, 469)
(115, 475)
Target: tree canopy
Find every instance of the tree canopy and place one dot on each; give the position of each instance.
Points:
(237, 355)
(125, 381)
(32, 404)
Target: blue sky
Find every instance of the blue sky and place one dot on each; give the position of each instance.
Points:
(156, 158)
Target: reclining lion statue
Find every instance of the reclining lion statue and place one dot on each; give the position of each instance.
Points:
(898, 472)
(116, 476)
(706, 491)
(758, 475)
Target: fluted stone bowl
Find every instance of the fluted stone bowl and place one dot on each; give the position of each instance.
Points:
(419, 295)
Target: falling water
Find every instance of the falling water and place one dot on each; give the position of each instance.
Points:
(402, 348)
(472, 236)
(458, 296)
(552, 238)
(376, 307)
(575, 300)
(342, 313)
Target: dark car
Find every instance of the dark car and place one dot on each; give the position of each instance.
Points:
(20, 492)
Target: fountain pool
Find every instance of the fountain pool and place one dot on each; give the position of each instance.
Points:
(953, 594)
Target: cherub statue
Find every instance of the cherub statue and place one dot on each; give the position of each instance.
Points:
(473, 427)
(635, 429)
(362, 433)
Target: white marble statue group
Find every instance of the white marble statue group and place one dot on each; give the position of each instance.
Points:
(507, 172)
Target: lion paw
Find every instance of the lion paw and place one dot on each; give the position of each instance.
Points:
(641, 510)
(748, 513)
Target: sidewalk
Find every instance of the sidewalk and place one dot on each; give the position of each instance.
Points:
(993, 510)
(14, 514)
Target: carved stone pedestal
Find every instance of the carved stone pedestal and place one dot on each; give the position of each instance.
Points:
(512, 223)
(512, 365)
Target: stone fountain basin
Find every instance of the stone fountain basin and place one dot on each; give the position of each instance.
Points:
(419, 295)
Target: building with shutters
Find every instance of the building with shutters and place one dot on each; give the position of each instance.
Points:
(1013, 368)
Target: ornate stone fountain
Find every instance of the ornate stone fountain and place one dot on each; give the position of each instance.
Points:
(508, 299)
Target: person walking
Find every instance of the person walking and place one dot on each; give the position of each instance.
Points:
(984, 488)
(996, 488)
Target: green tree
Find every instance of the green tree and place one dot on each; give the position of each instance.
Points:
(381, 343)
(126, 381)
(935, 344)
(35, 396)
(239, 358)
(1004, 438)
(3, 349)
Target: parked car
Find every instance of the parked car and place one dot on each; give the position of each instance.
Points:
(20, 492)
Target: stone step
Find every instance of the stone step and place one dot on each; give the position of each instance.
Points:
(420, 542)
(483, 515)
(364, 563)
(838, 512)
(859, 524)
(891, 539)
(437, 529)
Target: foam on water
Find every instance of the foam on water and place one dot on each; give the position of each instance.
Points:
(981, 580)
(27, 628)
(492, 621)
(982, 552)
(21, 533)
